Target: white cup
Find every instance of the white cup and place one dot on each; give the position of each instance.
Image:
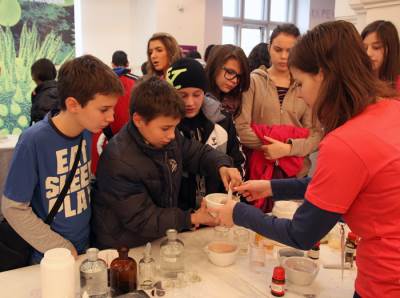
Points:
(57, 274)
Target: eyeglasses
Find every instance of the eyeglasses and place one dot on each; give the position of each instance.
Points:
(230, 74)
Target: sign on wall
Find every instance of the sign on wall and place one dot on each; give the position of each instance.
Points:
(29, 30)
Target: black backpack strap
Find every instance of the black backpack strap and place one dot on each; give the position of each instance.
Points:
(60, 199)
(108, 132)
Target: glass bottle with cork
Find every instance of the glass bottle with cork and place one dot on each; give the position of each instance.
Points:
(171, 255)
(123, 273)
(93, 275)
(147, 269)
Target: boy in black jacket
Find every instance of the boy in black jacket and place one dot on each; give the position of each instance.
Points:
(205, 122)
(135, 199)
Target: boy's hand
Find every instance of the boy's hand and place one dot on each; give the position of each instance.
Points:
(255, 189)
(203, 217)
(230, 175)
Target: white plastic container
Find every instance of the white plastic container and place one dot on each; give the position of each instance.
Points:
(57, 274)
(285, 209)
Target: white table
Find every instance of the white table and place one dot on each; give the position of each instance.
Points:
(7, 145)
(234, 281)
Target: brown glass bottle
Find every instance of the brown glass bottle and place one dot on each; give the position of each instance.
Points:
(123, 273)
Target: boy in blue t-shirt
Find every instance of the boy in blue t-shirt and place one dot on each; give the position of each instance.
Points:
(88, 91)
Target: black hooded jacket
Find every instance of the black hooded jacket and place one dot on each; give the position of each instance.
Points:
(135, 199)
(44, 99)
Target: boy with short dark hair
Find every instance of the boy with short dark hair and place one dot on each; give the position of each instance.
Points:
(139, 173)
(45, 96)
(88, 91)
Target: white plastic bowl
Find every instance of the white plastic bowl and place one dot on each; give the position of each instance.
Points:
(300, 271)
(222, 253)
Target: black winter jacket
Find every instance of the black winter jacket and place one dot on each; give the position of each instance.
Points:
(135, 199)
(221, 136)
(44, 99)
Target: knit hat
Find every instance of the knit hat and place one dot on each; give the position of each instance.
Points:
(186, 72)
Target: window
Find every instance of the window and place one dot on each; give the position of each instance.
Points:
(249, 22)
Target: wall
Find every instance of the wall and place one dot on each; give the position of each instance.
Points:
(363, 12)
(313, 12)
(106, 26)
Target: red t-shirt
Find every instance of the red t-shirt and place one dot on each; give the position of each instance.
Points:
(358, 175)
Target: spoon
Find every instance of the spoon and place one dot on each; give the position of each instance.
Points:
(229, 192)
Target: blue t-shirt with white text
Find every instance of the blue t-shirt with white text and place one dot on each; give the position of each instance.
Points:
(40, 165)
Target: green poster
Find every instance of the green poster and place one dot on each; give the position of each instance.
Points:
(29, 30)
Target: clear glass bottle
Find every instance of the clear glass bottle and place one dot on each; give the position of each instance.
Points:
(147, 267)
(123, 273)
(171, 255)
(93, 275)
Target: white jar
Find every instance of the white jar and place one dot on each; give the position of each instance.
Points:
(57, 274)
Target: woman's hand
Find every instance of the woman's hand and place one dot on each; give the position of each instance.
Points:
(225, 213)
(255, 189)
(276, 149)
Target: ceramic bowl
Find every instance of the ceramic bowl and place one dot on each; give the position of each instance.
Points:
(300, 271)
(215, 200)
(222, 253)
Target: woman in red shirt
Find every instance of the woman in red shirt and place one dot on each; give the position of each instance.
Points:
(381, 41)
(358, 167)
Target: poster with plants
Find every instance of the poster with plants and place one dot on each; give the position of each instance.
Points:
(30, 30)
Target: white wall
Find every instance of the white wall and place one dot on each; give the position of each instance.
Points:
(363, 12)
(103, 26)
(106, 27)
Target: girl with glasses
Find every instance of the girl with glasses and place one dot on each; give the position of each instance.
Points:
(227, 72)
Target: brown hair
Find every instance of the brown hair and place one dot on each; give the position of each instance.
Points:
(389, 37)
(349, 85)
(84, 77)
(154, 97)
(288, 29)
(172, 47)
(218, 57)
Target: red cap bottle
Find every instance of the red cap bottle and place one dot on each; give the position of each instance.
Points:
(278, 282)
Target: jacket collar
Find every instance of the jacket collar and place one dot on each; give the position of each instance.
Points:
(144, 145)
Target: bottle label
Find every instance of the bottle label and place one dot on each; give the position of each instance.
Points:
(278, 289)
(170, 260)
(350, 250)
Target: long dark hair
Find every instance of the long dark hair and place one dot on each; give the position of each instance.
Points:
(389, 37)
(258, 56)
(219, 55)
(349, 85)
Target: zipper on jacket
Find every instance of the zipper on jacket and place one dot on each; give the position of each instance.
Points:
(170, 179)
